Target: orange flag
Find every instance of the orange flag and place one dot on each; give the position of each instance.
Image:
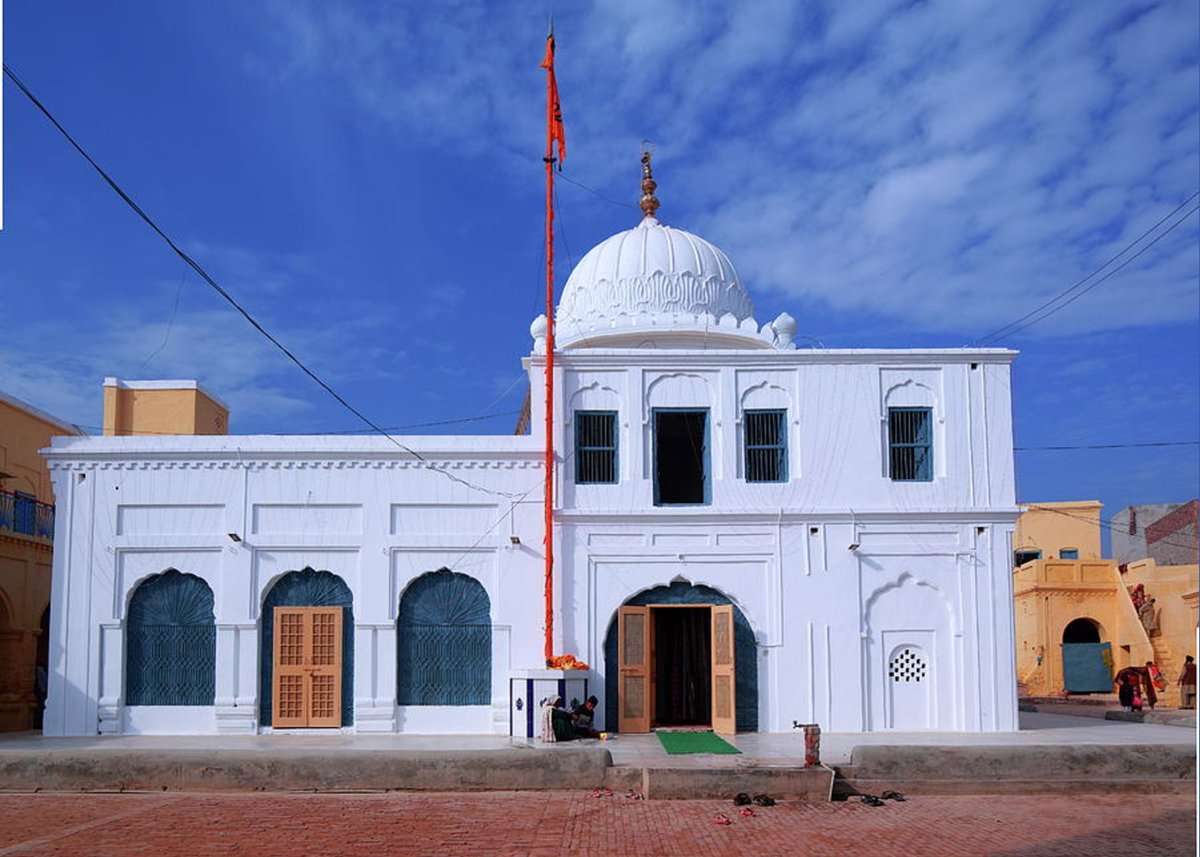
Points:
(554, 119)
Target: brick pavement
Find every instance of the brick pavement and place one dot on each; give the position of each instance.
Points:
(539, 823)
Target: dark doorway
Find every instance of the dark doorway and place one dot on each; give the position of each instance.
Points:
(680, 457)
(1081, 631)
(682, 666)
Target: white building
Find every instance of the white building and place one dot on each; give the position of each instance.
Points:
(854, 507)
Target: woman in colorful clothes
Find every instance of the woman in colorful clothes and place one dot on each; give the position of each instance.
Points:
(1187, 683)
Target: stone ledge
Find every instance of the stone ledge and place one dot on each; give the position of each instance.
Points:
(1186, 719)
(303, 770)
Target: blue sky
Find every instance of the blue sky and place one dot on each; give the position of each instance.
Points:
(367, 179)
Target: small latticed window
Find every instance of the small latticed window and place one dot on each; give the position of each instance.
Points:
(595, 447)
(1023, 556)
(765, 434)
(910, 444)
(1069, 553)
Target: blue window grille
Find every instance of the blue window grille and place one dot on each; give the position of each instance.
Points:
(595, 447)
(1069, 553)
(1023, 556)
(765, 438)
(171, 642)
(444, 642)
(910, 444)
(681, 457)
(306, 588)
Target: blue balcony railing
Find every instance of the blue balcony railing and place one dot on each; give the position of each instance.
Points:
(20, 513)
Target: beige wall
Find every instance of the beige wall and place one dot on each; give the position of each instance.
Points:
(1051, 527)
(1050, 594)
(161, 407)
(25, 561)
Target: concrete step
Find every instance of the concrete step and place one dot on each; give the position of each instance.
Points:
(782, 782)
(310, 770)
(1018, 769)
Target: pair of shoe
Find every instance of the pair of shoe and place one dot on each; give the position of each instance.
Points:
(872, 800)
(744, 799)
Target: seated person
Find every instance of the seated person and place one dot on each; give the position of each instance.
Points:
(584, 715)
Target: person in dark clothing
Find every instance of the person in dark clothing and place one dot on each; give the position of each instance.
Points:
(584, 717)
(1125, 691)
(1187, 683)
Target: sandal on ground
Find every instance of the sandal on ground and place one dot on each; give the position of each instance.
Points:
(746, 812)
(722, 819)
(871, 800)
(742, 799)
(896, 796)
(764, 800)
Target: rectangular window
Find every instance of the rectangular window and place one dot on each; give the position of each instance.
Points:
(1069, 553)
(595, 447)
(765, 435)
(680, 457)
(910, 444)
(1022, 557)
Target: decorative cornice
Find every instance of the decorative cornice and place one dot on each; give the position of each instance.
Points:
(770, 358)
(139, 460)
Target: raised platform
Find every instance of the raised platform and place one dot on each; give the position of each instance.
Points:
(1050, 753)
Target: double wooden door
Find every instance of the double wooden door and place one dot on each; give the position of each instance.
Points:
(306, 685)
(635, 683)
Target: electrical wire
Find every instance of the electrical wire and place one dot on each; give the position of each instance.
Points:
(1107, 525)
(204, 275)
(1147, 445)
(1015, 326)
(567, 178)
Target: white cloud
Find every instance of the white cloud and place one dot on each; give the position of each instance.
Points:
(976, 157)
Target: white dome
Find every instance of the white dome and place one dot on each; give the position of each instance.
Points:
(648, 277)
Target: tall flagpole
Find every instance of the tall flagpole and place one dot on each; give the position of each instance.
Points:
(553, 131)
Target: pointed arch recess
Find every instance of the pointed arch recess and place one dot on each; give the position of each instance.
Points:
(444, 641)
(171, 642)
(306, 588)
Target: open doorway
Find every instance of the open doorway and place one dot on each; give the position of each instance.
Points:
(682, 666)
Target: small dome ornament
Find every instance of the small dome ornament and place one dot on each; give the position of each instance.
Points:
(649, 202)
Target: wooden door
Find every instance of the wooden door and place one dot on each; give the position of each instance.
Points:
(306, 685)
(724, 703)
(633, 656)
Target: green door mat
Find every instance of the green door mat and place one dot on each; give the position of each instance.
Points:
(677, 743)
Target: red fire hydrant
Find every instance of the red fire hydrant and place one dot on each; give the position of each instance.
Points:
(812, 744)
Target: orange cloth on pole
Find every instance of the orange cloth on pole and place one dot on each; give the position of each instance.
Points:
(554, 117)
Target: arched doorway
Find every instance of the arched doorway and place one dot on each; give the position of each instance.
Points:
(444, 641)
(683, 593)
(1081, 631)
(1087, 661)
(171, 642)
(305, 640)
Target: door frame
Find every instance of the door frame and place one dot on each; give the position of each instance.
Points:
(650, 669)
(308, 669)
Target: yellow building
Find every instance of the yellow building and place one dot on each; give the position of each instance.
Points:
(162, 407)
(1070, 603)
(26, 542)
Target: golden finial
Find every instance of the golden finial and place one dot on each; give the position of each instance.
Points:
(649, 202)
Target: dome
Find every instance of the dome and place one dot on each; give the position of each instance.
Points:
(651, 270)
(659, 287)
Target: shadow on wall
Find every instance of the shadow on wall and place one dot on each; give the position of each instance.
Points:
(745, 651)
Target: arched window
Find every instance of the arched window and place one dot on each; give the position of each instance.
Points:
(444, 642)
(171, 642)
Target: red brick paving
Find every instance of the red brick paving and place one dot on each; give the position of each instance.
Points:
(539, 823)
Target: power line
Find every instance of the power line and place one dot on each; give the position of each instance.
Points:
(1015, 326)
(1149, 444)
(204, 275)
(1099, 522)
(565, 177)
